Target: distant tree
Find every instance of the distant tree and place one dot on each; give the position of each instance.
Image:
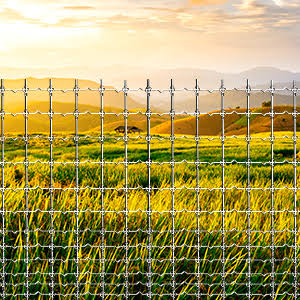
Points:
(237, 107)
(266, 104)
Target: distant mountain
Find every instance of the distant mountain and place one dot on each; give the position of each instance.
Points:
(232, 99)
(280, 85)
(160, 77)
(264, 75)
(185, 77)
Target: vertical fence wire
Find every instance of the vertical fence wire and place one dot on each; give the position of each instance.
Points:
(125, 91)
(26, 188)
(248, 190)
(295, 189)
(51, 187)
(272, 191)
(76, 140)
(172, 112)
(197, 190)
(102, 193)
(222, 90)
(3, 191)
(148, 113)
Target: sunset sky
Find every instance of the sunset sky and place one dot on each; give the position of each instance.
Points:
(229, 36)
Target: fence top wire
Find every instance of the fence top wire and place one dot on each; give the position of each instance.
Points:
(147, 90)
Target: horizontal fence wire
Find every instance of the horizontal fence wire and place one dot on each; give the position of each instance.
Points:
(116, 215)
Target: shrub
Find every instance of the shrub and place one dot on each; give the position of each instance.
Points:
(266, 104)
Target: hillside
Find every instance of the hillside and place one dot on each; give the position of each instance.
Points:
(234, 124)
(40, 123)
(111, 98)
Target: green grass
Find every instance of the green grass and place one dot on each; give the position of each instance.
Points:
(243, 120)
(209, 221)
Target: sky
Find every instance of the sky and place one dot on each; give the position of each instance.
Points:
(227, 36)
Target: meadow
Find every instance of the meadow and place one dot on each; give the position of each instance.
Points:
(197, 231)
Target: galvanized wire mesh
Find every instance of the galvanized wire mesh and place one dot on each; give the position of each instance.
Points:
(143, 259)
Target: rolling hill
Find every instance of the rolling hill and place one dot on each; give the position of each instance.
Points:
(38, 123)
(234, 124)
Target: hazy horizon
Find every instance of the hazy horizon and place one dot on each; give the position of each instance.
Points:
(160, 77)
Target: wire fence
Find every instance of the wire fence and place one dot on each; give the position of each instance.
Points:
(129, 222)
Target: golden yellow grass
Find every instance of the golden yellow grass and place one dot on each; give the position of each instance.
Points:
(191, 213)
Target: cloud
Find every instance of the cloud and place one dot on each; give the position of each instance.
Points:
(10, 15)
(249, 4)
(164, 9)
(207, 2)
(79, 7)
(246, 16)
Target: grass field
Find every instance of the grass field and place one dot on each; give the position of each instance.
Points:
(192, 231)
